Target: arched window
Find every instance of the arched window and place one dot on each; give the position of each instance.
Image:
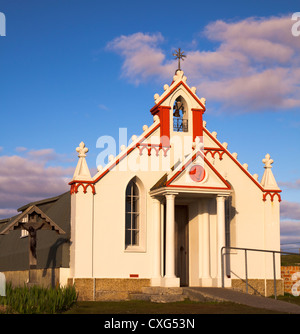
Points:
(180, 115)
(132, 224)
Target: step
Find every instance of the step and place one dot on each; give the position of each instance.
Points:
(159, 295)
(171, 298)
(197, 296)
(139, 296)
(167, 298)
(158, 290)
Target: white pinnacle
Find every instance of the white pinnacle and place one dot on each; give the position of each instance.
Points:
(82, 150)
(268, 180)
(82, 172)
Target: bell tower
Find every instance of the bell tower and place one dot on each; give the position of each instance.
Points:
(179, 108)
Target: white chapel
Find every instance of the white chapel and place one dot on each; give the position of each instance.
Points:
(163, 209)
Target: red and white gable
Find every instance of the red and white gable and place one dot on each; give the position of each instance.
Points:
(158, 141)
(193, 106)
(197, 173)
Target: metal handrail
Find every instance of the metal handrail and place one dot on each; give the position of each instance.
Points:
(246, 265)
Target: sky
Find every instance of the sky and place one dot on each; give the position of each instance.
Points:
(74, 70)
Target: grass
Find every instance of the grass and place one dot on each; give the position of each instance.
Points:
(64, 300)
(37, 300)
(289, 298)
(145, 307)
(185, 307)
(290, 260)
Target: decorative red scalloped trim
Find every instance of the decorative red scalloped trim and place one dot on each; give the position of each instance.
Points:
(241, 167)
(272, 195)
(156, 147)
(85, 185)
(213, 151)
(75, 184)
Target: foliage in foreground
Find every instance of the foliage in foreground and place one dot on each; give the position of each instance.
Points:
(35, 299)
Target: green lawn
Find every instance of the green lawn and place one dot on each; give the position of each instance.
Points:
(290, 298)
(144, 307)
(290, 260)
(185, 307)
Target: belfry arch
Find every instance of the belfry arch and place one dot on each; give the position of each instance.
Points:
(180, 115)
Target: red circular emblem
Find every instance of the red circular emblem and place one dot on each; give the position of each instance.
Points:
(197, 173)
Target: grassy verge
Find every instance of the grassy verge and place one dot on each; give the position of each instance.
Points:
(35, 300)
(289, 298)
(144, 307)
(64, 300)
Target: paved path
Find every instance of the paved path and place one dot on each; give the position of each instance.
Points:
(223, 294)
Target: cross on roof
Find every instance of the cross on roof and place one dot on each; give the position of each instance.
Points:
(178, 54)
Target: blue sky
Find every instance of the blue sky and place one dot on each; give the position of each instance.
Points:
(74, 70)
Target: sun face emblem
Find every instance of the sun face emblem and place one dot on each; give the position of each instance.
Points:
(197, 173)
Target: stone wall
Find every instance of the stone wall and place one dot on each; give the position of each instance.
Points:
(259, 286)
(290, 277)
(119, 289)
(102, 289)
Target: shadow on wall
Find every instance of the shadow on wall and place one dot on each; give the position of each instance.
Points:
(52, 259)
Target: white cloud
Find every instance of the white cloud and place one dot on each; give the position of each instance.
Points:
(29, 178)
(290, 235)
(254, 66)
(8, 213)
(142, 56)
(290, 226)
(290, 185)
(290, 210)
(43, 154)
(21, 149)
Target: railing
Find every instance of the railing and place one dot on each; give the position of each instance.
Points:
(180, 125)
(246, 265)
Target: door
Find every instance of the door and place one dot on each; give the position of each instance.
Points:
(181, 244)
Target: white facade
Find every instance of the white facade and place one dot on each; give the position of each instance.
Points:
(190, 197)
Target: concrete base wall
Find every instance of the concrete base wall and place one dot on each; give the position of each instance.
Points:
(120, 288)
(259, 286)
(104, 289)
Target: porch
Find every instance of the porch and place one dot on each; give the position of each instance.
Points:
(190, 229)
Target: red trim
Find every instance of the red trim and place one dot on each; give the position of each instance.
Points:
(164, 115)
(197, 122)
(168, 184)
(85, 185)
(134, 275)
(237, 163)
(116, 162)
(157, 148)
(213, 151)
(272, 193)
(214, 148)
(199, 187)
(152, 110)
